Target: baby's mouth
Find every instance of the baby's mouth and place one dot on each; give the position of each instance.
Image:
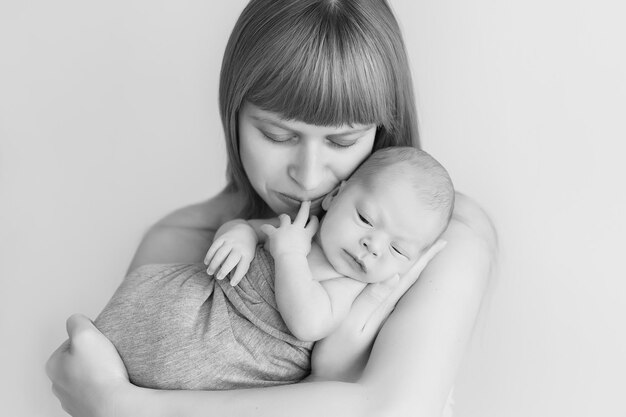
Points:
(359, 263)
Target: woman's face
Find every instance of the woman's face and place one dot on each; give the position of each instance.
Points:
(288, 161)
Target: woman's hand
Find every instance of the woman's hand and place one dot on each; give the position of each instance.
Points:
(342, 356)
(87, 372)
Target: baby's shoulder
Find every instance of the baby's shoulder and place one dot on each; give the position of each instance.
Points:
(321, 269)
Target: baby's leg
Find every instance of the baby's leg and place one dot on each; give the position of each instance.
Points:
(148, 320)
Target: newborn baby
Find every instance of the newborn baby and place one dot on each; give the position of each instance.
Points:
(177, 328)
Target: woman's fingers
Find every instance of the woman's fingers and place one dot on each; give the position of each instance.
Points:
(55, 362)
(384, 294)
(370, 299)
(389, 292)
(79, 329)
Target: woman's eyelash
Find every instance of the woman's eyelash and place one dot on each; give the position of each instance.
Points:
(332, 143)
(341, 145)
(275, 138)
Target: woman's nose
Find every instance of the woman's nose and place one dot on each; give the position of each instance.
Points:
(307, 167)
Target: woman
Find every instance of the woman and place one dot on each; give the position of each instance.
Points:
(308, 89)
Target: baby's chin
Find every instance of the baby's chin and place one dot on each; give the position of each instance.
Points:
(373, 280)
(367, 278)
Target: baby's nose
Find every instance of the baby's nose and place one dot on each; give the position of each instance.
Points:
(371, 246)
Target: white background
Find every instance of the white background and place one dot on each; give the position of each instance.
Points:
(109, 120)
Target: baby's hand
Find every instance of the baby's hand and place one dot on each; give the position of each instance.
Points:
(292, 237)
(234, 247)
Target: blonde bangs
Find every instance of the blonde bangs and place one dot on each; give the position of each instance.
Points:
(330, 75)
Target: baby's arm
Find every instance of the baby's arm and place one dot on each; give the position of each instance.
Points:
(234, 247)
(311, 309)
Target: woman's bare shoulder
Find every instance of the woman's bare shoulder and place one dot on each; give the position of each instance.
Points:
(184, 236)
(451, 287)
(468, 260)
(471, 222)
(207, 214)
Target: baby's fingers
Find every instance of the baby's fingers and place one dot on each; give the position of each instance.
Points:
(284, 219)
(268, 229)
(241, 270)
(313, 225)
(303, 214)
(218, 258)
(214, 247)
(228, 265)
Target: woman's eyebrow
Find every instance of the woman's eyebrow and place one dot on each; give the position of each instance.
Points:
(349, 132)
(271, 121)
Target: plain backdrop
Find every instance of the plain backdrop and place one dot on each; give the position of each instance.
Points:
(109, 120)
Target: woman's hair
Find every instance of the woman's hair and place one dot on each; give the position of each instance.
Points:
(323, 62)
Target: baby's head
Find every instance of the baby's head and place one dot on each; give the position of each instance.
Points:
(388, 213)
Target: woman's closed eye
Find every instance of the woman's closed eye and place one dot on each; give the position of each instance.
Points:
(342, 143)
(277, 138)
(348, 139)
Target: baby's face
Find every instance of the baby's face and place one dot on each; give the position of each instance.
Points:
(371, 233)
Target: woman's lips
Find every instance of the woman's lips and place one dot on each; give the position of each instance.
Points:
(295, 202)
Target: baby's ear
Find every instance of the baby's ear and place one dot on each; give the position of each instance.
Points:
(327, 201)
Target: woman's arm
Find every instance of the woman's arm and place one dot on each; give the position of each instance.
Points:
(410, 372)
(423, 342)
(414, 360)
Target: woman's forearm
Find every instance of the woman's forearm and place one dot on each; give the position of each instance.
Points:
(412, 365)
(305, 399)
(413, 362)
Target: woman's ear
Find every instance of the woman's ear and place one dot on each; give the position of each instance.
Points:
(327, 201)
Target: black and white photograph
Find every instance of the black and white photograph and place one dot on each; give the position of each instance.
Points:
(368, 208)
